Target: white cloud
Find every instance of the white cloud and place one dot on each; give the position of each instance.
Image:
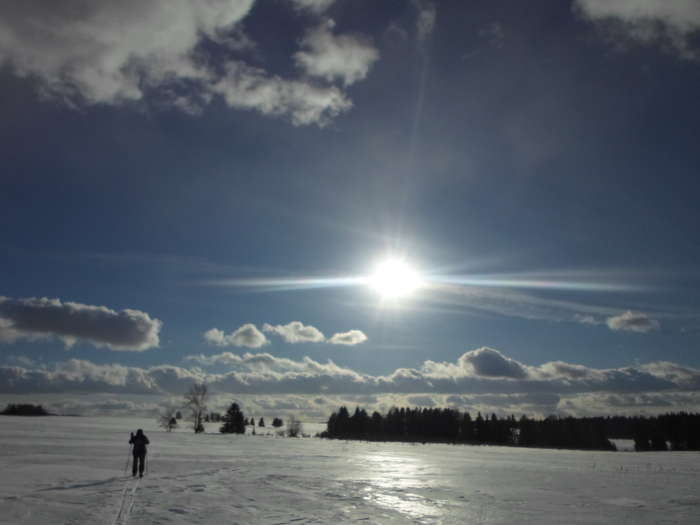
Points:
(349, 338)
(316, 6)
(109, 51)
(684, 376)
(247, 335)
(672, 23)
(632, 322)
(344, 57)
(245, 87)
(319, 407)
(39, 318)
(427, 13)
(269, 365)
(104, 52)
(296, 332)
(480, 379)
(562, 370)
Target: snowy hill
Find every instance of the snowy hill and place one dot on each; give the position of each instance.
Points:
(72, 470)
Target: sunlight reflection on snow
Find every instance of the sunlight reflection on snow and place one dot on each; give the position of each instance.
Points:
(411, 505)
(393, 475)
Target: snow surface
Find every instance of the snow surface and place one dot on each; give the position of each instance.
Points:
(70, 470)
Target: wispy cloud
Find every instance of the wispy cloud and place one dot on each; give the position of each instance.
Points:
(670, 24)
(493, 33)
(246, 87)
(315, 6)
(344, 57)
(425, 21)
(512, 303)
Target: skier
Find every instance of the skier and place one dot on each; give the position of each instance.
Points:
(139, 441)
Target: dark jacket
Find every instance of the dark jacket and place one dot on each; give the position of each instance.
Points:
(139, 441)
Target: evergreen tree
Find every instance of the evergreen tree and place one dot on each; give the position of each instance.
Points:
(527, 435)
(480, 428)
(681, 430)
(234, 421)
(658, 442)
(466, 429)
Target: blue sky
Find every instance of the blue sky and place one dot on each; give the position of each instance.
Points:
(195, 191)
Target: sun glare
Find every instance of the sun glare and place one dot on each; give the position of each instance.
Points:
(394, 278)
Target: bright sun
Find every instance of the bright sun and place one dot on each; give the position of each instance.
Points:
(394, 278)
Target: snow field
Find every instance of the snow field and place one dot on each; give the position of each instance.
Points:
(72, 471)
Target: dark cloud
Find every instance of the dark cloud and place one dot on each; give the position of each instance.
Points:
(36, 318)
(492, 363)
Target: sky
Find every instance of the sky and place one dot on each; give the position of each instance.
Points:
(487, 205)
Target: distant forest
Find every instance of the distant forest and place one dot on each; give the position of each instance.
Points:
(679, 431)
(25, 410)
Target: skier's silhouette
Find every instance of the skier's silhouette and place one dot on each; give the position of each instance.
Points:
(139, 441)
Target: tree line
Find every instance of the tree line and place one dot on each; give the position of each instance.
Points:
(196, 401)
(446, 425)
(24, 409)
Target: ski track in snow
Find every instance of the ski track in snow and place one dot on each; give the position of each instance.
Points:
(126, 502)
(70, 471)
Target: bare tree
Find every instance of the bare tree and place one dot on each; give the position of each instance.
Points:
(294, 427)
(167, 417)
(196, 400)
